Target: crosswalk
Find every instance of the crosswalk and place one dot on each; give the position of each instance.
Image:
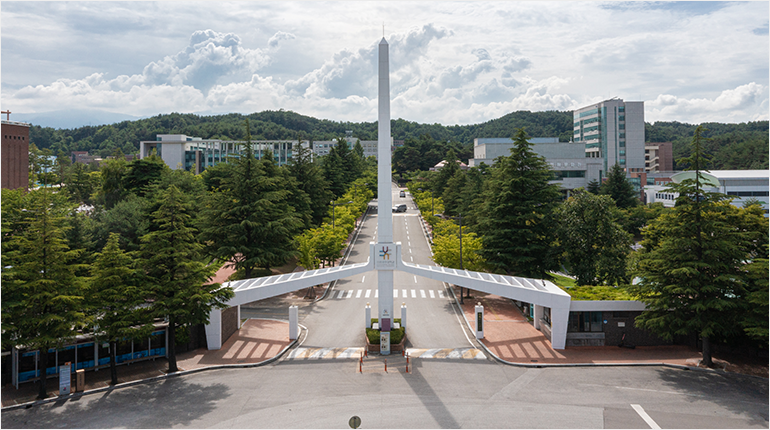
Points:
(402, 293)
(303, 353)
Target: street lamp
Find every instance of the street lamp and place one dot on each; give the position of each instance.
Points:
(431, 200)
(334, 205)
(355, 189)
(460, 218)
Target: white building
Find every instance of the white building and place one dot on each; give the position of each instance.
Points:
(740, 184)
(613, 131)
(322, 147)
(179, 151)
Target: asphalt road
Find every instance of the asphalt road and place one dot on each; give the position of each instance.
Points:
(433, 321)
(438, 393)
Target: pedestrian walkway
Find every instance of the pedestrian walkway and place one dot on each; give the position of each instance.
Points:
(512, 338)
(447, 353)
(257, 341)
(401, 293)
(324, 353)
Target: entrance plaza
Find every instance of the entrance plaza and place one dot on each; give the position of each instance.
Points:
(508, 338)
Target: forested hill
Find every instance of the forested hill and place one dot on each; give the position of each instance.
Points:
(732, 146)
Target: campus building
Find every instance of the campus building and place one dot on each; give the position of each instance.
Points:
(195, 154)
(612, 131)
(658, 157)
(740, 184)
(15, 155)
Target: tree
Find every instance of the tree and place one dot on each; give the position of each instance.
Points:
(42, 296)
(113, 188)
(174, 270)
(446, 247)
(593, 186)
(249, 221)
(81, 183)
(619, 188)
(115, 297)
(594, 244)
(516, 219)
(692, 266)
(142, 173)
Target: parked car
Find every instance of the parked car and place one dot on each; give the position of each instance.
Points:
(402, 194)
(399, 208)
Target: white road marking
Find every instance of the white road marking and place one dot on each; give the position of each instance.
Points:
(410, 243)
(339, 296)
(363, 278)
(422, 293)
(350, 294)
(358, 294)
(404, 291)
(440, 294)
(368, 292)
(412, 258)
(415, 279)
(432, 294)
(410, 250)
(376, 293)
(650, 422)
(414, 294)
(395, 294)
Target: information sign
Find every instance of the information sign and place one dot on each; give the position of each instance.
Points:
(385, 342)
(65, 378)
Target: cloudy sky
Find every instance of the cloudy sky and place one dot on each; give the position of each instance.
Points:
(451, 62)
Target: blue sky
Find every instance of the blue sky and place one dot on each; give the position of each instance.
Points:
(451, 62)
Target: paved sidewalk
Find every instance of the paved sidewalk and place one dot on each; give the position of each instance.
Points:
(512, 338)
(257, 341)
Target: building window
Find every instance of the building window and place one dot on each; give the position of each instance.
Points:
(581, 322)
(623, 135)
(622, 161)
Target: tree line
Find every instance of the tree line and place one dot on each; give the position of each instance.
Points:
(701, 268)
(731, 146)
(114, 251)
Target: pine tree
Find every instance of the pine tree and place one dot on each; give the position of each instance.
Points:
(42, 295)
(310, 179)
(619, 188)
(692, 263)
(249, 221)
(174, 270)
(115, 297)
(516, 219)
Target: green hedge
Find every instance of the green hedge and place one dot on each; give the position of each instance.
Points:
(396, 335)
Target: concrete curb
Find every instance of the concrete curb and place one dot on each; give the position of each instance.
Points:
(155, 378)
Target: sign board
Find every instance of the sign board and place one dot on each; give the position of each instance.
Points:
(479, 321)
(385, 342)
(385, 256)
(65, 378)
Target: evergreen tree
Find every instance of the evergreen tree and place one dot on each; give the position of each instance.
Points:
(453, 193)
(692, 263)
(595, 245)
(593, 186)
(249, 221)
(174, 271)
(42, 295)
(516, 219)
(440, 179)
(619, 188)
(115, 297)
(310, 179)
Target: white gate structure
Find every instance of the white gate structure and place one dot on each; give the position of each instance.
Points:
(385, 257)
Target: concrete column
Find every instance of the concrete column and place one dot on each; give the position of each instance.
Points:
(538, 315)
(293, 322)
(559, 321)
(479, 320)
(239, 317)
(213, 330)
(368, 316)
(403, 315)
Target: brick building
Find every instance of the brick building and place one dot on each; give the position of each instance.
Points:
(15, 155)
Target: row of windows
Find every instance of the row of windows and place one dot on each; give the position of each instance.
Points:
(589, 113)
(15, 137)
(664, 196)
(592, 128)
(748, 193)
(621, 109)
(621, 118)
(621, 126)
(558, 175)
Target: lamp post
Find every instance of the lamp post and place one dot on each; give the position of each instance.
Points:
(460, 218)
(431, 200)
(334, 206)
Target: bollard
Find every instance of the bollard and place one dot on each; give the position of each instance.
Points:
(361, 365)
(386, 365)
(407, 363)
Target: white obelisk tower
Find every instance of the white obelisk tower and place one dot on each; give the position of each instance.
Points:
(385, 249)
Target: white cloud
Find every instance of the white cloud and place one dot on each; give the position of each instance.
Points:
(746, 102)
(277, 37)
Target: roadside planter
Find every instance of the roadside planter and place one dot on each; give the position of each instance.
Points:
(397, 337)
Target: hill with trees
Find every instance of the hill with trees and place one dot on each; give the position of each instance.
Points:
(731, 146)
